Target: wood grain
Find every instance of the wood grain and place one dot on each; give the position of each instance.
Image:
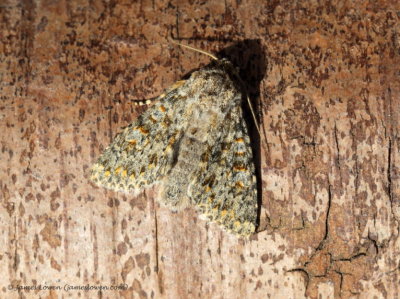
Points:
(325, 79)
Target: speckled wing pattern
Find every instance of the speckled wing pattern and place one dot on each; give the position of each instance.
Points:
(143, 152)
(194, 141)
(225, 190)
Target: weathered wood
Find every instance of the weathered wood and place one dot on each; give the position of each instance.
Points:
(326, 77)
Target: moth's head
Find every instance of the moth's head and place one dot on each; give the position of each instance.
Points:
(228, 67)
(226, 64)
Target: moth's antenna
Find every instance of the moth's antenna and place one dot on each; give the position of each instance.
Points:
(194, 49)
(254, 115)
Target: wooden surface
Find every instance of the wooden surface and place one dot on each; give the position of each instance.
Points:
(325, 80)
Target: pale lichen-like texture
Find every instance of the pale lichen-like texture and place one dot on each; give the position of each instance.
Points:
(194, 140)
(324, 77)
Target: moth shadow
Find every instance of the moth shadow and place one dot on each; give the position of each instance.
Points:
(249, 57)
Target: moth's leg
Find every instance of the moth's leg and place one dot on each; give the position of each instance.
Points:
(176, 85)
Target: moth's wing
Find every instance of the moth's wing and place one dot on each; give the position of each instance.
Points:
(143, 152)
(225, 190)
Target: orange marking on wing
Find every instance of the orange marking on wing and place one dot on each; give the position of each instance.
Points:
(239, 168)
(152, 119)
(223, 213)
(143, 130)
(239, 139)
(239, 184)
(172, 140)
(239, 153)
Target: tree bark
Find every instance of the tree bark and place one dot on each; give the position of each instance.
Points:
(324, 78)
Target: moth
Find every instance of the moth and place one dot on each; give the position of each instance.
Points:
(193, 142)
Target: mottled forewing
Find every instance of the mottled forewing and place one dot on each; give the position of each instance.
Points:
(225, 190)
(142, 153)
